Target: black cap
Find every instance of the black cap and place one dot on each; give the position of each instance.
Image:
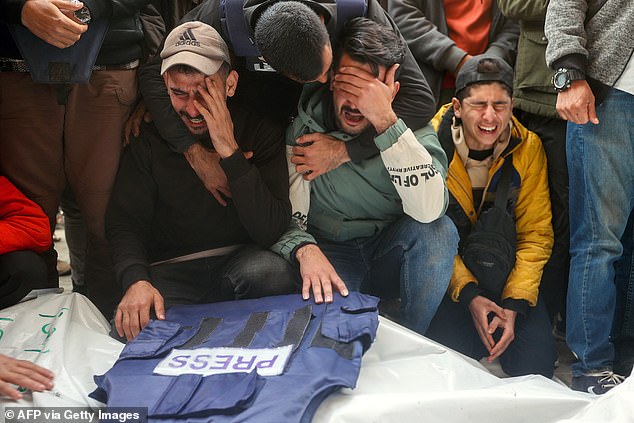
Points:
(475, 70)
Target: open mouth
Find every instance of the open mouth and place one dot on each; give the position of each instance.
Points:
(487, 129)
(194, 121)
(351, 116)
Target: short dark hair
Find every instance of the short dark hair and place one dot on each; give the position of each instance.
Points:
(490, 71)
(291, 37)
(368, 42)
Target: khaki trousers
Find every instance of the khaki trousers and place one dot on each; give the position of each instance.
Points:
(44, 145)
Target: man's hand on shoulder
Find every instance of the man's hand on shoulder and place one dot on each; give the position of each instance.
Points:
(133, 312)
(133, 124)
(316, 154)
(318, 275)
(51, 21)
(372, 97)
(206, 164)
(576, 104)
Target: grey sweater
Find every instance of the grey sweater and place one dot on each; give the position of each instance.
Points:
(593, 36)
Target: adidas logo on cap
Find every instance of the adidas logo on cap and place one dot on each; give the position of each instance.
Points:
(197, 45)
(188, 39)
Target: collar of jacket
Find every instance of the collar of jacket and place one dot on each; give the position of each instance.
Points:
(446, 139)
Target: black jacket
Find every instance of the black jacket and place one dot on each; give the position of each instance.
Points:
(159, 208)
(273, 93)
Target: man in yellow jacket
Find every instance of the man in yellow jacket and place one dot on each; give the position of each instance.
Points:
(479, 133)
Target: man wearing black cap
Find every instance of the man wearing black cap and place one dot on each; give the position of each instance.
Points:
(172, 241)
(479, 135)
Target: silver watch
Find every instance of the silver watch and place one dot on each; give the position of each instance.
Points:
(83, 15)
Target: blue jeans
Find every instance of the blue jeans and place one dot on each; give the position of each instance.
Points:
(408, 258)
(623, 326)
(601, 169)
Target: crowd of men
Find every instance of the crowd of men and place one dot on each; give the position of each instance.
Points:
(320, 148)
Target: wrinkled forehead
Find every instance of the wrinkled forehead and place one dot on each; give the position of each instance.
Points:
(348, 61)
(488, 90)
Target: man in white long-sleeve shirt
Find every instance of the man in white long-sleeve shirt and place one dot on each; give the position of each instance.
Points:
(377, 226)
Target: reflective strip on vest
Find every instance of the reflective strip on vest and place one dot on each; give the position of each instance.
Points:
(325, 343)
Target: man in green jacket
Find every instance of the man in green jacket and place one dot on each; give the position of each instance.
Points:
(378, 225)
(534, 100)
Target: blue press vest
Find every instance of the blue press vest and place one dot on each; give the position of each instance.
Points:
(329, 341)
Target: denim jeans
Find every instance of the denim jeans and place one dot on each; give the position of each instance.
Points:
(601, 169)
(623, 325)
(408, 258)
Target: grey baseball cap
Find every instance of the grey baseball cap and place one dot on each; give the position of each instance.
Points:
(195, 44)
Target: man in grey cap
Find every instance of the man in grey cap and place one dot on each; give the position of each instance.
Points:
(486, 313)
(172, 241)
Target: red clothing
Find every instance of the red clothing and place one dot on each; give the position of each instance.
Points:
(469, 24)
(23, 224)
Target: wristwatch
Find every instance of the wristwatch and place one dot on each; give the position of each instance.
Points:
(83, 15)
(562, 79)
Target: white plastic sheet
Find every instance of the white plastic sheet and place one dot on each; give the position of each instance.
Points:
(404, 377)
(66, 334)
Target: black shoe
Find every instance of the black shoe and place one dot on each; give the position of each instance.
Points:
(624, 356)
(597, 382)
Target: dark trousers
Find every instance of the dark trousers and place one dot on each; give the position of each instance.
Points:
(20, 272)
(554, 284)
(531, 352)
(75, 232)
(250, 272)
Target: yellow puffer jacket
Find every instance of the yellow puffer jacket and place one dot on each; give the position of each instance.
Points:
(532, 209)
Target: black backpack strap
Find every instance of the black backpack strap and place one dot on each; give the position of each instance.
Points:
(236, 30)
(348, 9)
(504, 184)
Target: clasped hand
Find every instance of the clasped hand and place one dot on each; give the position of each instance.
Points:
(480, 308)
